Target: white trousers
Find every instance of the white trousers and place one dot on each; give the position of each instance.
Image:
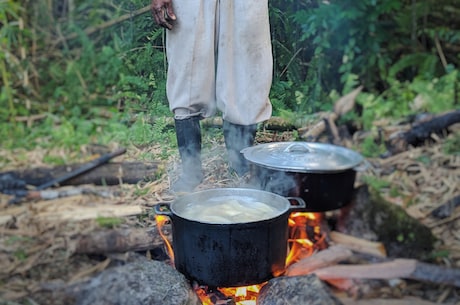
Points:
(220, 58)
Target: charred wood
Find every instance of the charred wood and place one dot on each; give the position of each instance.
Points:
(422, 132)
(106, 174)
(447, 208)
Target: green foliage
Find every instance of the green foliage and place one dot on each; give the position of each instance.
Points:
(369, 148)
(452, 145)
(401, 51)
(384, 45)
(12, 54)
(434, 95)
(109, 222)
(375, 183)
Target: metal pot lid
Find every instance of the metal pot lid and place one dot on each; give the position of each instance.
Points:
(306, 157)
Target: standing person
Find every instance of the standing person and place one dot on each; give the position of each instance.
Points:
(219, 58)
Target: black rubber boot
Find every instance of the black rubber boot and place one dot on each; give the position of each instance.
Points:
(188, 133)
(238, 137)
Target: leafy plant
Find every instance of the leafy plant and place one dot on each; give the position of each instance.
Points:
(375, 183)
(79, 79)
(370, 148)
(109, 222)
(452, 145)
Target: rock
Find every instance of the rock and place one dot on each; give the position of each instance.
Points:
(146, 282)
(371, 217)
(294, 290)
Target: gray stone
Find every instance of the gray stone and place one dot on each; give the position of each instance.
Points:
(296, 290)
(138, 283)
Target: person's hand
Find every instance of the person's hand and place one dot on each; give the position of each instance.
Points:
(163, 13)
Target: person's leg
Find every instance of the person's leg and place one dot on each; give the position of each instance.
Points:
(244, 74)
(244, 62)
(188, 134)
(190, 48)
(238, 137)
(190, 83)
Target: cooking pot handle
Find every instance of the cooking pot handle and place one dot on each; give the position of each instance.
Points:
(300, 203)
(298, 147)
(162, 209)
(363, 166)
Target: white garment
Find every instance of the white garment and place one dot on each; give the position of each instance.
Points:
(220, 58)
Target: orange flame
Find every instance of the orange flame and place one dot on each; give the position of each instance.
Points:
(161, 220)
(246, 295)
(300, 245)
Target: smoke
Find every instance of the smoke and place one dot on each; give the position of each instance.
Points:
(275, 181)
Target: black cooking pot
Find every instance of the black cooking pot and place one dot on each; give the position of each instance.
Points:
(323, 175)
(221, 252)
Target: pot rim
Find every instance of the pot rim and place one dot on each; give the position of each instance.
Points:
(303, 157)
(282, 204)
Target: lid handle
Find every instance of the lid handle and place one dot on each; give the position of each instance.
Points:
(298, 148)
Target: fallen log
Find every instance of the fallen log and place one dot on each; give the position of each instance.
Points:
(119, 241)
(398, 268)
(69, 191)
(422, 132)
(112, 173)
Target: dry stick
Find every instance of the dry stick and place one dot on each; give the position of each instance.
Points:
(107, 24)
(341, 106)
(358, 244)
(440, 51)
(399, 268)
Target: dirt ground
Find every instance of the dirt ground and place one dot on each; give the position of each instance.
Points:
(37, 239)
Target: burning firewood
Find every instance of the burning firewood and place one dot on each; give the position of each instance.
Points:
(327, 257)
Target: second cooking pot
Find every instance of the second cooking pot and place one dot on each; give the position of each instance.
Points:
(323, 175)
(249, 247)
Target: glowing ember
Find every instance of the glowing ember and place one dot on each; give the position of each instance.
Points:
(304, 237)
(246, 295)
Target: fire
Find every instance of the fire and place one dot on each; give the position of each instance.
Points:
(246, 295)
(161, 220)
(304, 234)
(304, 237)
